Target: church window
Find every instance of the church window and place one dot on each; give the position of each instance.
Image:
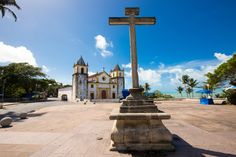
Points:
(82, 70)
(92, 86)
(103, 78)
(114, 86)
(119, 74)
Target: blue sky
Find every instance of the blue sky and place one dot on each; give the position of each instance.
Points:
(190, 37)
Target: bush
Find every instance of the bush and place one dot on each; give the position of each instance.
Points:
(231, 96)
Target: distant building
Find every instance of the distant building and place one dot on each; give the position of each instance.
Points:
(98, 86)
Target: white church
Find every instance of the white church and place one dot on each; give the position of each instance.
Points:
(100, 86)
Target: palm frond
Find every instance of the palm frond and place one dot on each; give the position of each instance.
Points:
(14, 4)
(12, 13)
(2, 11)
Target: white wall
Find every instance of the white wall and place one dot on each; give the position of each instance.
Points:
(107, 80)
(67, 91)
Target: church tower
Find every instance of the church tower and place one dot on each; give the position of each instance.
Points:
(80, 80)
(117, 76)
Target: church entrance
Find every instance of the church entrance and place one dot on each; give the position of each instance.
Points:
(104, 94)
(64, 97)
(91, 95)
(113, 95)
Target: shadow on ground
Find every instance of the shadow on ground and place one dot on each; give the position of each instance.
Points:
(16, 118)
(183, 149)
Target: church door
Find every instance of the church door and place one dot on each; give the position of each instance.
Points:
(91, 95)
(113, 95)
(104, 94)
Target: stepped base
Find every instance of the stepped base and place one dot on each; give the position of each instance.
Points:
(138, 125)
(140, 131)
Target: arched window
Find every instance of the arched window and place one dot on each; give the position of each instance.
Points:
(91, 85)
(82, 70)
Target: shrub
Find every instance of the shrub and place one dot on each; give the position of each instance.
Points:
(231, 96)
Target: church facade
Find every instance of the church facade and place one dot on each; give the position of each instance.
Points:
(101, 85)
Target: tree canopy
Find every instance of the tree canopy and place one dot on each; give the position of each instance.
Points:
(146, 87)
(189, 84)
(225, 73)
(22, 79)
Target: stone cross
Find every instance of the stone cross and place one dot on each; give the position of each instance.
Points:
(132, 20)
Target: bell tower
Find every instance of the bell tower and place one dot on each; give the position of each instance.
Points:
(80, 80)
(117, 76)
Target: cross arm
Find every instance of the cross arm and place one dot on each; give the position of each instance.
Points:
(119, 21)
(145, 20)
(127, 20)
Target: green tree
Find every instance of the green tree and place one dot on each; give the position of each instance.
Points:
(158, 94)
(146, 87)
(185, 80)
(192, 84)
(20, 77)
(226, 72)
(180, 90)
(4, 7)
(188, 91)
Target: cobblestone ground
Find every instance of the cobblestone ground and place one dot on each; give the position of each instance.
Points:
(62, 129)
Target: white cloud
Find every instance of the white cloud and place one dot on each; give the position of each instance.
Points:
(91, 73)
(11, 54)
(222, 57)
(149, 76)
(106, 53)
(102, 45)
(126, 65)
(168, 77)
(45, 69)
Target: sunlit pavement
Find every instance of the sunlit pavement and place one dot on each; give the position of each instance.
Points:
(63, 129)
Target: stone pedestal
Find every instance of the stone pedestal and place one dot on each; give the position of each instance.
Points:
(138, 125)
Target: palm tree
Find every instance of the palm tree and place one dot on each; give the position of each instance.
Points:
(188, 91)
(3, 8)
(146, 87)
(180, 90)
(185, 80)
(192, 84)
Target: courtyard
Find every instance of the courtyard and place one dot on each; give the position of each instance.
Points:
(64, 129)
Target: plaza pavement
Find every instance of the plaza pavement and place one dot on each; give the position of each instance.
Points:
(62, 129)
